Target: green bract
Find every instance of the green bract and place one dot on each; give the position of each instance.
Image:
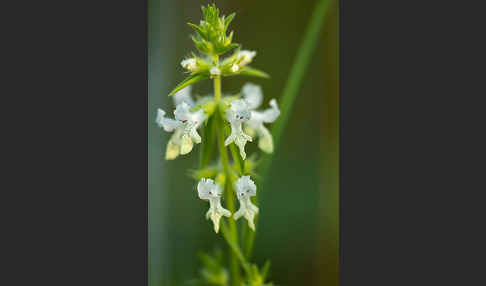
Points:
(211, 35)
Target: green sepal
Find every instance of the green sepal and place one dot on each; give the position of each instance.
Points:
(198, 30)
(192, 79)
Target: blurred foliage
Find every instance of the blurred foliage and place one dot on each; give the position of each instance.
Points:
(214, 273)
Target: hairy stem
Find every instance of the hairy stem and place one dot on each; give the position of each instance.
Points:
(217, 88)
(231, 233)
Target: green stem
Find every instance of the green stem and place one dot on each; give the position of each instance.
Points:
(235, 248)
(231, 234)
(217, 88)
(290, 92)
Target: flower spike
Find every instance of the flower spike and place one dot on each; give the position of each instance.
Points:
(246, 188)
(208, 190)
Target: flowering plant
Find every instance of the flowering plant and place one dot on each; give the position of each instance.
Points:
(230, 122)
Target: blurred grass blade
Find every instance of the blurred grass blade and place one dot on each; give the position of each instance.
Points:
(291, 89)
(299, 68)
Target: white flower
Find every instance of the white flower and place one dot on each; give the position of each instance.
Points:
(184, 95)
(236, 115)
(253, 96)
(184, 127)
(246, 188)
(208, 190)
(235, 68)
(246, 57)
(167, 123)
(215, 71)
(189, 64)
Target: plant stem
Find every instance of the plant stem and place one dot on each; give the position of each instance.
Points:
(233, 232)
(217, 88)
(235, 248)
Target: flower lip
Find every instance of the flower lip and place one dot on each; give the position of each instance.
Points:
(252, 94)
(239, 111)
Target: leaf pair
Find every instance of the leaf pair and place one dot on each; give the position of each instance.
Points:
(194, 78)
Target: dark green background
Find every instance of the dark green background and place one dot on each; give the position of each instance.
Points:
(299, 220)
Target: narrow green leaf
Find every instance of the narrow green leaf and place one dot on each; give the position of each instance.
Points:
(299, 68)
(188, 81)
(290, 92)
(228, 20)
(253, 72)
